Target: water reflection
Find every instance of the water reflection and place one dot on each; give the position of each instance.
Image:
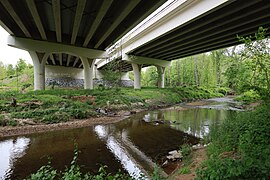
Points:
(11, 150)
(194, 121)
(120, 152)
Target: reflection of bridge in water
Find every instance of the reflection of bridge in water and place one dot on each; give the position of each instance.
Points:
(133, 160)
(72, 35)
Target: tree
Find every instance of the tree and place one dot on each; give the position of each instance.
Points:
(3, 72)
(257, 55)
(10, 70)
(21, 66)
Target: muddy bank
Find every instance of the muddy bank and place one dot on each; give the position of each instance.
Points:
(30, 129)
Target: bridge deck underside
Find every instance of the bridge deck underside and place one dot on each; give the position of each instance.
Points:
(92, 24)
(215, 29)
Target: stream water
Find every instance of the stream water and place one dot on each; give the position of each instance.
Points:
(133, 145)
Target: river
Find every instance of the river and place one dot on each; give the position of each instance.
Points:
(133, 145)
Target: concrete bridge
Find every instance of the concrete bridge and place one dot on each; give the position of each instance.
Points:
(87, 34)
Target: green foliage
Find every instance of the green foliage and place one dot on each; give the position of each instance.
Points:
(186, 150)
(112, 74)
(12, 122)
(257, 54)
(249, 96)
(16, 77)
(185, 170)
(73, 172)
(56, 117)
(44, 173)
(53, 106)
(156, 175)
(240, 148)
(3, 122)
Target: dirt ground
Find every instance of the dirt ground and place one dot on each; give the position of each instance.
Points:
(30, 129)
(198, 157)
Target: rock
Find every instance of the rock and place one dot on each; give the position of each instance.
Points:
(172, 152)
(165, 163)
(133, 112)
(174, 155)
(170, 157)
(177, 155)
(13, 102)
(101, 111)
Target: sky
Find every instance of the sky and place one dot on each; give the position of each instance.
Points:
(10, 55)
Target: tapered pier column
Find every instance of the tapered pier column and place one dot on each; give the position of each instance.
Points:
(39, 61)
(137, 75)
(88, 69)
(161, 76)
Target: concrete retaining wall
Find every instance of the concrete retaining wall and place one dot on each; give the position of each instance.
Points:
(73, 77)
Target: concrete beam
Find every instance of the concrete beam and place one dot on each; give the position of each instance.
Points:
(75, 62)
(146, 60)
(68, 60)
(57, 19)
(50, 47)
(101, 13)
(33, 9)
(15, 17)
(52, 58)
(77, 20)
(132, 4)
(173, 17)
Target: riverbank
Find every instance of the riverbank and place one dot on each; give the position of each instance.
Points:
(50, 110)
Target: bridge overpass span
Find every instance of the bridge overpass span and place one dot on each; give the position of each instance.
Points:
(182, 28)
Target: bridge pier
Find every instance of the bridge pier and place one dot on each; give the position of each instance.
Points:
(137, 75)
(88, 68)
(161, 76)
(39, 69)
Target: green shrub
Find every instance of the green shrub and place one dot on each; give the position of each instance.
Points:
(56, 117)
(186, 150)
(3, 122)
(185, 170)
(12, 122)
(240, 148)
(249, 96)
(37, 113)
(74, 173)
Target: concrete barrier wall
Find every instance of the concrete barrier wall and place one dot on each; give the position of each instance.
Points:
(73, 77)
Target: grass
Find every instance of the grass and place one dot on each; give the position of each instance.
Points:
(60, 105)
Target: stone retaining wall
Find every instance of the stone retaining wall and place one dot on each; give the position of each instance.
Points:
(70, 82)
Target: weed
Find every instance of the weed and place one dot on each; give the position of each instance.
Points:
(186, 150)
(185, 170)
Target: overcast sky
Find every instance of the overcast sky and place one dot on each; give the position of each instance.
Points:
(10, 55)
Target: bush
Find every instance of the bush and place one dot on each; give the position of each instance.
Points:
(56, 117)
(240, 148)
(249, 96)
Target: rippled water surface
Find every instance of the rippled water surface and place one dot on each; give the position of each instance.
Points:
(133, 145)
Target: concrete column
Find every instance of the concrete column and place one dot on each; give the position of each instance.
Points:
(88, 68)
(39, 69)
(161, 76)
(137, 75)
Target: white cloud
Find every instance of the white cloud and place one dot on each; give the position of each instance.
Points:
(10, 55)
